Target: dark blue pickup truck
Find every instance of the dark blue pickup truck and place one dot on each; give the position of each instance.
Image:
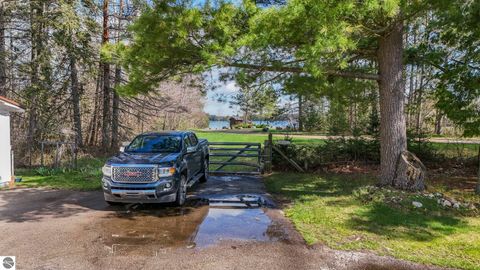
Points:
(156, 167)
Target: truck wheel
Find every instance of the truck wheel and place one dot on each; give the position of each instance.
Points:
(182, 191)
(204, 178)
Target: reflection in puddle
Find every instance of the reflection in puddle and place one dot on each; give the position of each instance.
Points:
(154, 231)
(233, 224)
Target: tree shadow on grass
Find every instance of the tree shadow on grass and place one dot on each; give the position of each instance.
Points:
(376, 217)
(381, 219)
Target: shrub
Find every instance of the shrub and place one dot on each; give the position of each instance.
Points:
(334, 150)
(45, 171)
(262, 126)
(243, 125)
(355, 149)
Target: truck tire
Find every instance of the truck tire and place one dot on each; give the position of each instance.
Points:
(182, 191)
(204, 177)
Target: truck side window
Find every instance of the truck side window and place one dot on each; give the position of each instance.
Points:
(186, 142)
(193, 139)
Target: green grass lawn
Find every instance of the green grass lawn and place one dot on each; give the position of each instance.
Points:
(456, 150)
(449, 150)
(87, 176)
(215, 136)
(325, 210)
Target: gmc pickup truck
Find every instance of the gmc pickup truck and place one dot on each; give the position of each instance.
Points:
(156, 167)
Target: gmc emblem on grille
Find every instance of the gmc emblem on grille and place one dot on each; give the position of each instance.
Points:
(132, 174)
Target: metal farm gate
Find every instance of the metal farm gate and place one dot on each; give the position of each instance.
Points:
(235, 158)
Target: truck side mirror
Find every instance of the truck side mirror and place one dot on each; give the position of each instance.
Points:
(123, 146)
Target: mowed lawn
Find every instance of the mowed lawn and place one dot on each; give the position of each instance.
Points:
(87, 176)
(325, 210)
(217, 136)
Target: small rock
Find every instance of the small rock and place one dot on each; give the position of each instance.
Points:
(417, 204)
(446, 203)
(430, 195)
(456, 205)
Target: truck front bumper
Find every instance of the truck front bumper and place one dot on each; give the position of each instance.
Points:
(140, 193)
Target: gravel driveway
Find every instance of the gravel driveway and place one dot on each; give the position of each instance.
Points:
(58, 229)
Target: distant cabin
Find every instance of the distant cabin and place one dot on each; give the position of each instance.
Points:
(7, 106)
(235, 121)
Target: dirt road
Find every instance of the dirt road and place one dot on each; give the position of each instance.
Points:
(56, 229)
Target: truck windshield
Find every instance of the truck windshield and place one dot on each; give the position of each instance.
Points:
(155, 144)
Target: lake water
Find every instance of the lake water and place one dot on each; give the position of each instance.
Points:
(221, 124)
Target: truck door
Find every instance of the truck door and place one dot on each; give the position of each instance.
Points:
(189, 157)
(197, 156)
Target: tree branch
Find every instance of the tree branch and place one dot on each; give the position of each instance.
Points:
(345, 74)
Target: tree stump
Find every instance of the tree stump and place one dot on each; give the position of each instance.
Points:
(415, 172)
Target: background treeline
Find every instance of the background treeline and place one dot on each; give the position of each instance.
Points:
(52, 62)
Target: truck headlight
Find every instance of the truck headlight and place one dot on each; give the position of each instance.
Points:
(166, 171)
(107, 170)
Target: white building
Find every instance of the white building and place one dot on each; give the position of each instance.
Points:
(7, 106)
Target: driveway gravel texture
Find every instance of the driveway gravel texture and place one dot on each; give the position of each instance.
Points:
(59, 229)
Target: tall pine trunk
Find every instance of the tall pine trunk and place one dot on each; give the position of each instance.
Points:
(106, 83)
(393, 137)
(33, 93)
(77, 119)
(94, 121)
(118, 79)
(115, 109)
(3, 57)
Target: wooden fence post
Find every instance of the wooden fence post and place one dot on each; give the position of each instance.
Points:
(268, 154)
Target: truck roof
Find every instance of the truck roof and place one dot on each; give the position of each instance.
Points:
(166, 132)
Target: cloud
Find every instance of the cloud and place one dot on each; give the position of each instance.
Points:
(230, 87)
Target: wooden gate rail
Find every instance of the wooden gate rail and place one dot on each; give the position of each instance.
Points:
(252, 149)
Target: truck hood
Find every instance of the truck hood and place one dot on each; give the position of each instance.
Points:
(143, 158)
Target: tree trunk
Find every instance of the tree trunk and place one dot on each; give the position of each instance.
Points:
(36, 12)
(115, 109)
(77, 119)
(300, 113)
(3, 58)
(118, 79)
(94, 122)
(418, 106)
(438, 123)
(393, 136)
(106, 83)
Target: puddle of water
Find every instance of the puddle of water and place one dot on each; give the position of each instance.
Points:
(153, 231)
(234, 224)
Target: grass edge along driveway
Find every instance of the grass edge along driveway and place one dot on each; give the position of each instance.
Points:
(325, 209)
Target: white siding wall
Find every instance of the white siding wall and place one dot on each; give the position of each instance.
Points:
(5, 163)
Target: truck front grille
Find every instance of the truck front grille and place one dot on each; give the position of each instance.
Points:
(134, 174)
